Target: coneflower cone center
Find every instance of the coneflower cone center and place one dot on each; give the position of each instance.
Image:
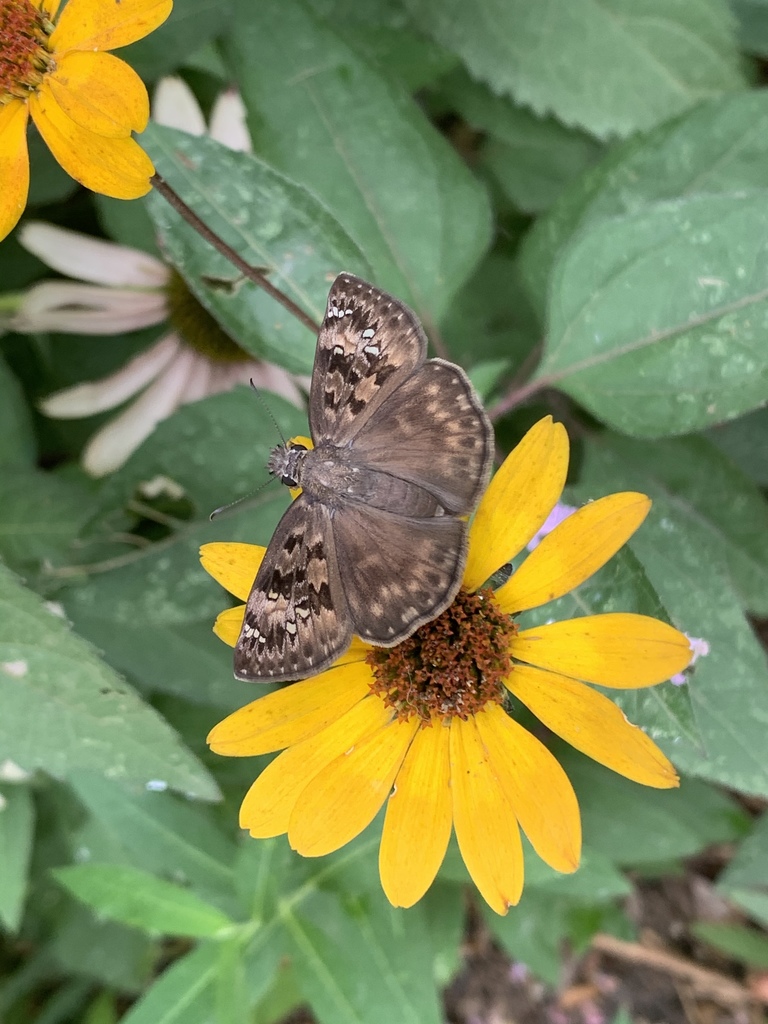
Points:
(452, 666)
(25, 58)
(197, 327)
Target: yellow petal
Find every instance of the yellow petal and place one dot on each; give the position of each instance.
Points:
(575, 549)
(518, 500)
(114, 167)
(50, 8)
(232, 565)
(536, 786)
(417, 825)
(269, 803)
(357, 651)
(484, 820)
(592, 723)
(292, 714)
(107, 24)
(14, 164)
(346, 795)
(100, 93)
(229, 623)
(618, 649)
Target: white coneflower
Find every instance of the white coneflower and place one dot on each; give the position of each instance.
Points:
(124, 290)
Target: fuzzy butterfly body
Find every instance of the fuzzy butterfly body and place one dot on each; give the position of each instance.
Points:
(375, 544)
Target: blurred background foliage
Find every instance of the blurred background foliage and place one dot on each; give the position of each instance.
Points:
(574, 199)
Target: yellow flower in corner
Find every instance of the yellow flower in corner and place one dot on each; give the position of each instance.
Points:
(84, 102)
(428, 726)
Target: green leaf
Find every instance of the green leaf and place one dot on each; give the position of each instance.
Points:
(655, 316)
(531, 157)
(747, 870)
(185, 660)
(719, 146)
(190, 24)
(720, 509)
(162, 834)
(733, 941)
(755, 904)
(183, 994)
(597, 879)
(752, 17)
(363, 961)
(745, 442)
(87, 946)
(41, 515)
(84, 715)
(271, 222)
(203, 449)
(363, 146)
(490, 319)
(611, 68)
(533, 932)
(728, 687)
(140, 900)
(633, 825)
(17, 824)
(17, 440)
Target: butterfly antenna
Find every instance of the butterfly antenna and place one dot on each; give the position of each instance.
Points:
(239, 501)
(265, 405)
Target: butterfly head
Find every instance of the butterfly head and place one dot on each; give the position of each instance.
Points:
(285, 462)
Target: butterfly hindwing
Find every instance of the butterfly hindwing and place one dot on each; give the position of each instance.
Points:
(369, 343)
(397, 571)
(296, 621)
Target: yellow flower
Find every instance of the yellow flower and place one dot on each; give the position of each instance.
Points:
(84, 102)
(426, 725)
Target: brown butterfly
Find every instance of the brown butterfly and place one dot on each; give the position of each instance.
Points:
(376, 543)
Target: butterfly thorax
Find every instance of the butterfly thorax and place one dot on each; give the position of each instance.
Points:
(331, 474)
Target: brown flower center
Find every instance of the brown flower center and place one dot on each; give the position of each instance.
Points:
(25, 57)
(452, 666)
(197, 327)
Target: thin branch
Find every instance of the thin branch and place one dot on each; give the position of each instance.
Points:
(717, 986)
(252, 273)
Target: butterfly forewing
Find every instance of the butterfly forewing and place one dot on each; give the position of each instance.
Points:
(433, 433)
(296, 621)
(369, 343)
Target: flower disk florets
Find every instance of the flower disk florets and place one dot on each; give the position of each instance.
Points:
(24, 53)
(451, 667)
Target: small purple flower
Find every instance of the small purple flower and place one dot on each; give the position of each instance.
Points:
(559, 513)
(700, 649)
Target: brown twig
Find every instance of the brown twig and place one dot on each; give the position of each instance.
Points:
(716, 986)
(252, 273)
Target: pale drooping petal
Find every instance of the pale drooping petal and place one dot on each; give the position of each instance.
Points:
(87, 309)
(115, 442)
(92, 259)
(198, 384)
(268, 377)
(109, 392)
(174, 105)
(227, 124)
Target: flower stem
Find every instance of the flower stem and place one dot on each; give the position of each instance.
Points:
(254, 274)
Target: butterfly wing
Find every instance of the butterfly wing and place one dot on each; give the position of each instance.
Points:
(296, 621)
(433, 432)
(369, 343)
(398, 572)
